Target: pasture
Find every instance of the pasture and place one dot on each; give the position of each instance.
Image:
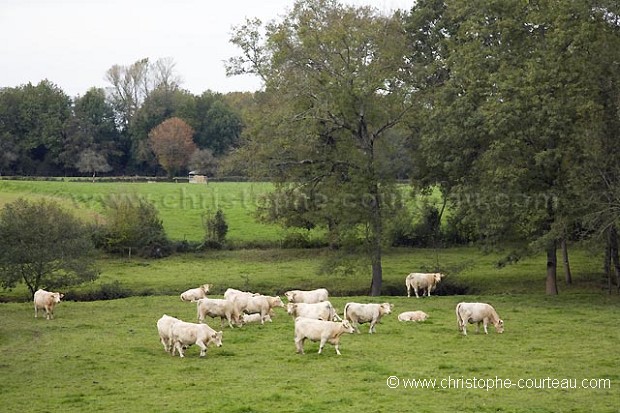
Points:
(106, 355)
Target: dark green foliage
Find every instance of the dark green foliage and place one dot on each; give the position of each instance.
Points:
(43, 246)
(134, 224)
(216, 229)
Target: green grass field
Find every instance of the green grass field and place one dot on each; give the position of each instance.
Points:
(106, 356)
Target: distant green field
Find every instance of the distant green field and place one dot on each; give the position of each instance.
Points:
(181, 205)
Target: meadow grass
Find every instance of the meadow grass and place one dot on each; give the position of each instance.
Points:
(106, 356)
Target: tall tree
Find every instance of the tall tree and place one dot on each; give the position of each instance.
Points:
(172, 144)
(42, 245)
(332, 93)
(514, 104)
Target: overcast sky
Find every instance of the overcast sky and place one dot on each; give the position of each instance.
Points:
(73, 43)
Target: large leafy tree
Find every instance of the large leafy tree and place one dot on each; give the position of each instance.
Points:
(333, 94)
(511, 101)
(172, 144)
(42, 245)
(32, 119)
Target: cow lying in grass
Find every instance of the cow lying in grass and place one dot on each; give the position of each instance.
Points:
(412, 316)
(196, 294)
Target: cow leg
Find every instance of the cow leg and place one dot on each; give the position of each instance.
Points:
(337, 349)
(415, 290)
(478, 327)
(322, 344)
(484, 324)
(408, 291)
(48, 314)
(299, 345)
(372, 326)
(203, 348)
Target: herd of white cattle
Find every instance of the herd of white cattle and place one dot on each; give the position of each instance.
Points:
(315, 317)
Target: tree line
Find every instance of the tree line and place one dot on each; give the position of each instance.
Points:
(508, 108)
(47, 133)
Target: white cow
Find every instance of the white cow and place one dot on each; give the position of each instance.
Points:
(320, 330)
(217, 307)
(231, 293)
(412, 316)
(319, 311)
(46, 300)
(308, 297)
(259, 304)
(366, 313)
(195, 294)
(185, 334)
(478, 313)
(164, 324)
(422, 281)
(254, 318)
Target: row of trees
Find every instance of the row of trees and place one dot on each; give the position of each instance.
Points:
(510, 108)
(45, 132)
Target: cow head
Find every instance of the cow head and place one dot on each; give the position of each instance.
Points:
(499, 326)
(348, 328)
(57, 297)
(216, 338)
(387, 308)
(290, 296)
(277, 302)
(438, 277)
(291, 308)
(206, 288)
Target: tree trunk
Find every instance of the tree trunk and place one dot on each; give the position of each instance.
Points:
(552, 264)
(607, 262)
(614, 257)
(375, 242)
(567, 273)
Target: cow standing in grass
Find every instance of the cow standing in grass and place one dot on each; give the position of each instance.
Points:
(422, 281)
(46, 300)
(366, 313)
(320, 330)
(478, 313)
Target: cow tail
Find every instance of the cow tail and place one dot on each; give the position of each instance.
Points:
(345, 311)
(459, 319)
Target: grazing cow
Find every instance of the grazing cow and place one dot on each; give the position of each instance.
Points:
(231, 293)
(259, 304)
(366, 313)
(195, 294)
(422, 281)
(319, 311)
(217, 307)
(255, 318)
(308, 297)
(320, 330)
(46, 300)
(412, 316)
(164, 324)
(478, 313)
(185, 334)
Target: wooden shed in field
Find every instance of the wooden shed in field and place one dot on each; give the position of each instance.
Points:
(196, 178)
